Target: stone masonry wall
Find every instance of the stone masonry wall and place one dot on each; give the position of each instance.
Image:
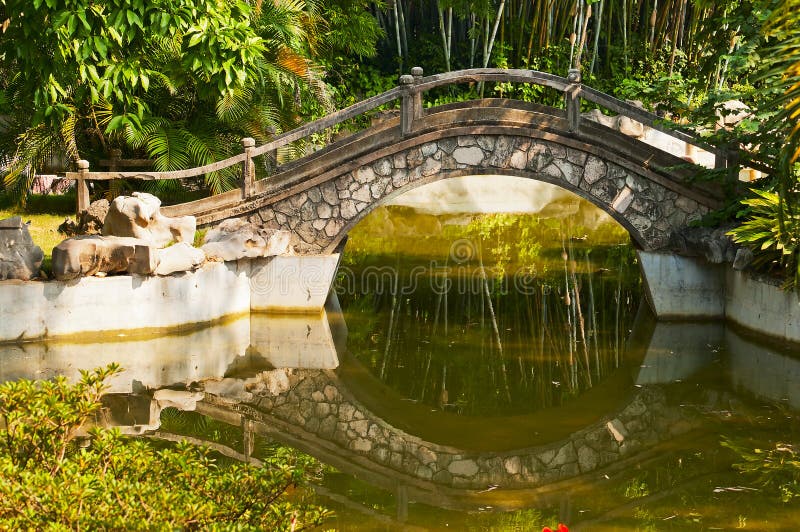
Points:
(323, 214)
(316, 402)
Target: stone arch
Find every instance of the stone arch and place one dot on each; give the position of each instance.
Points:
(648, 208)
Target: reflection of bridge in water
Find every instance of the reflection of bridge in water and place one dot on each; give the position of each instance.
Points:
(282, 378)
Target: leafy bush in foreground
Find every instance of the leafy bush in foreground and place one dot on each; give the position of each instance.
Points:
(57, 475)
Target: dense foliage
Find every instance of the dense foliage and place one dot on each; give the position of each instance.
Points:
(58, 474)
(181, 82)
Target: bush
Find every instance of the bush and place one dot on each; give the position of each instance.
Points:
(56, 474)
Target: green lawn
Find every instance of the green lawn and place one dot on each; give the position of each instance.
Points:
(45, 214)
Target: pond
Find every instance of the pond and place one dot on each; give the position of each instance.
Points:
(495, 371)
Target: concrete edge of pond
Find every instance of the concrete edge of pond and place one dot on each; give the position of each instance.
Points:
(682, 288)
(32, 310)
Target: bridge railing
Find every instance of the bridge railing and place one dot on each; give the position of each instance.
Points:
(410, 92)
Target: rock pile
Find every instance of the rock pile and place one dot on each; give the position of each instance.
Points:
(20, 258)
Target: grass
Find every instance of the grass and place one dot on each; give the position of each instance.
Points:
(45, 214)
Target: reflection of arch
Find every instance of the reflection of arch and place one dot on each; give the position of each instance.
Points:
(325, 194)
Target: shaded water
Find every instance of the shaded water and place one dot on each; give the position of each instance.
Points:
(465, 378)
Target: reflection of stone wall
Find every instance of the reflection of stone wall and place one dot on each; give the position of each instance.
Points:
(322, 214)
(317, 404)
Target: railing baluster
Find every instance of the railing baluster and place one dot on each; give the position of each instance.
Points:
(248, 170)
(572, 100)
(407, 106)
(417, 73)
(81, 188)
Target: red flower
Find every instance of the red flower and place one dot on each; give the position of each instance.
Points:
(561, 528)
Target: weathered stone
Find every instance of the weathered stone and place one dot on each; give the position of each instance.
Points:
(90, 221)
(363, 194)
(502, 152)
(399, 178)
(314, 195)
(464, 468)
(324, 210)
(298, 200)
(383, 167)
(234, 239)
(361, 445)
(713, 244)
(329, 193)
(139, 216)
(360, 427)
(486, 142)
(182, 400)
(448, 145)
(565, 455)
(424, 472)
(594, 171)
(471, 156)
(467, 141)
(331, 393)
(744, 257)
(429, 149)
(518, 161)
(365, 174)
(617, 430)
(512, 465)
(430, 167)
(630, 127)
(414, 158)
(180, 257)
(349, 210)
(426, 456)
(20, 258)
(587, 459)
(91, 254)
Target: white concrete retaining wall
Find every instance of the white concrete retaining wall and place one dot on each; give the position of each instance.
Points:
(688, 288)
(762, 307)
(33, 310)
(680, 287)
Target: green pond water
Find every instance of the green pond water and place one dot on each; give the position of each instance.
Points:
(490, 336)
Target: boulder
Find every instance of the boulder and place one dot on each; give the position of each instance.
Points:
(90, 221)
(20, 258)
(630, 127)
(595, 115)
(236, 239)
(180, 399)
(713, 244)
(92, 254)
(180, 257)
(139, 216)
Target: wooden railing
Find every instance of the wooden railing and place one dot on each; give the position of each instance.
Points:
(410, 92)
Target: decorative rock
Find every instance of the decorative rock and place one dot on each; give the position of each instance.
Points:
(20, 258)
(139, 216)
(91, 254)
(235, 239)
(179, 258)
(744, 256)
(713, 244)
(90, 221)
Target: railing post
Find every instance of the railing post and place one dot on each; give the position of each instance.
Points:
(114, 156)
(416, 73)
(81, 188)
(572, 99)
(407, 107)
(248, 171)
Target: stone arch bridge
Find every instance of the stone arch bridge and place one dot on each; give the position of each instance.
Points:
(321, 196)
